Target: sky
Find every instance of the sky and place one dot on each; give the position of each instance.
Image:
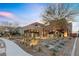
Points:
(22, 13)
(28, 13)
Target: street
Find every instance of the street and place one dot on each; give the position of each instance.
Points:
(75, 50)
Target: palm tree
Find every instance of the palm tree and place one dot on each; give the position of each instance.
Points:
(57, 15)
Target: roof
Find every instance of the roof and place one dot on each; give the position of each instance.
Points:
(34, 25)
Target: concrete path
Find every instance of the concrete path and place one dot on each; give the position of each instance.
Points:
(12, 49)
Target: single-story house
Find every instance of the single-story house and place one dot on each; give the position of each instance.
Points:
(39, 30)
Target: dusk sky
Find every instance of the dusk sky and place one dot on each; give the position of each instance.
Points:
(21, 13)
(25, 14)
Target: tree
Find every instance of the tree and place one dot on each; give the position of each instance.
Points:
(57, 15)
(59, 11)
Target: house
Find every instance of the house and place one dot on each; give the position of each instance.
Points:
(4, 30)
(59, 28)
(19, 30)
(35, 30)
(39, 30)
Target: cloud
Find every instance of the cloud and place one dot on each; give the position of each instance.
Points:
(7, 15)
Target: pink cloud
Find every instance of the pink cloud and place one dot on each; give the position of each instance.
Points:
(7, 14)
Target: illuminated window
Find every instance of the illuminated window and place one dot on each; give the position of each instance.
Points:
(65, 34)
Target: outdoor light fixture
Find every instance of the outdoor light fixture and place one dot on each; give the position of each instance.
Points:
(65, 34)
(34, 42)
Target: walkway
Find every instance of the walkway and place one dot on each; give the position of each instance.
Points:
(12, 49)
